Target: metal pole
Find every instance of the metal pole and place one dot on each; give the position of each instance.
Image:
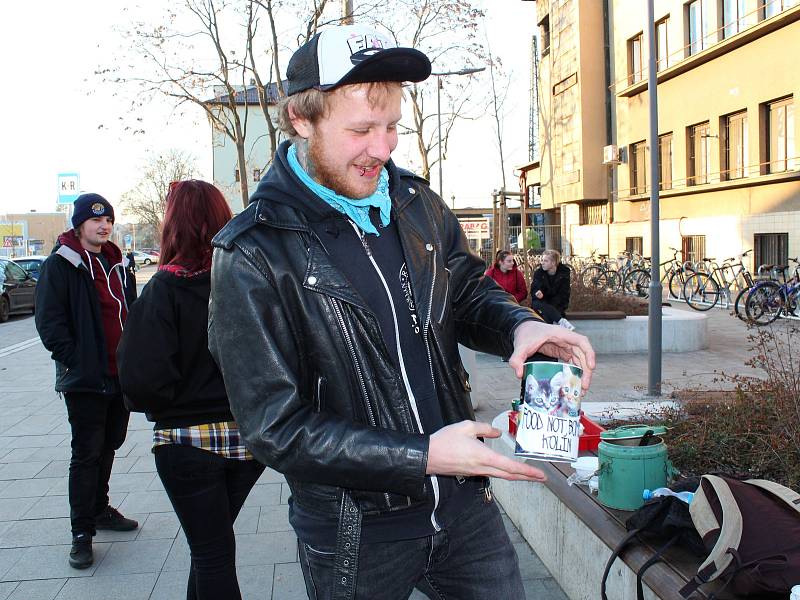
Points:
(347, 12)
(439, 127)
(654, 321)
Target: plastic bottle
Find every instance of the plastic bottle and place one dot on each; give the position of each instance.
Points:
(685, 496)
(795, 593)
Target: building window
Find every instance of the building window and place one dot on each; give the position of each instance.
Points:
(256, 175)
(770, 8)
(634, 245)
(544, 34)
(638, 162)
(594, 213)
(734, 158)
(696, 26)
(236, 175)
(770, 249)
(698, 154)
(693, 247)
(733, 15)
(662, 48)
(665, 161)
(635, 59)
(780, 135)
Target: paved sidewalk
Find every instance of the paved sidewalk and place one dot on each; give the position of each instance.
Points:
(151, 562)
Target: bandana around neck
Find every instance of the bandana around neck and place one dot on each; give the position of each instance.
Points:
(356, 210)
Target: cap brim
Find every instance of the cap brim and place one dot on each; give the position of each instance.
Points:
(392, 64)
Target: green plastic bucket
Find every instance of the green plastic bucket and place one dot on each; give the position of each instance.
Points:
(627, 469)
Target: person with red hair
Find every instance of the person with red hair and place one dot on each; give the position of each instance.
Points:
(506, 274)
(167, 372)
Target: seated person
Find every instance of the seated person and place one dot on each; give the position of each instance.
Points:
(507, 275)
(550, 289)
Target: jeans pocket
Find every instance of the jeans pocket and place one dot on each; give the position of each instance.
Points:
(317, 566)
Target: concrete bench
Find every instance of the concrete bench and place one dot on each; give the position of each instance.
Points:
(600, 315)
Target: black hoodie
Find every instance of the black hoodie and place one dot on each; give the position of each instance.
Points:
(165, 368)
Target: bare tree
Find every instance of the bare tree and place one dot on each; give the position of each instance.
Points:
(446, 30)
(146, 202)
(495, 108)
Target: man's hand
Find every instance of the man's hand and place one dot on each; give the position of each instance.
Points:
(456, 450)
(567, 346)
(539, 294)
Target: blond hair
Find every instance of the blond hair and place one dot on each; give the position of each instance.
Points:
(313, 104)
(553, 255)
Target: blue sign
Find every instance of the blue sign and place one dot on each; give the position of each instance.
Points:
(69, 187)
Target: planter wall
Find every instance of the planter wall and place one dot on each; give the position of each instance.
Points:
(681, 331)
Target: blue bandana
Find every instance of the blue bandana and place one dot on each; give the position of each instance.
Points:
(356, 210)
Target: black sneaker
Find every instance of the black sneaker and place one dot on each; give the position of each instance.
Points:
(111, 519)
(80, 556)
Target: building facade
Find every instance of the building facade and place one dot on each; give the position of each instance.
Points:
(25, 234)
(729, 172)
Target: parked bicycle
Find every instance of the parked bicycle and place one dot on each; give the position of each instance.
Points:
(637, 282)
(702, 289)
(768, 300)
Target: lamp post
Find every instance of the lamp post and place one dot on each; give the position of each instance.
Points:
(465, 71)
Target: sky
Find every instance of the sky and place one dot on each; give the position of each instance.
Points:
(60, 117)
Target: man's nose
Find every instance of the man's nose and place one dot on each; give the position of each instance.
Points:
(381, 145)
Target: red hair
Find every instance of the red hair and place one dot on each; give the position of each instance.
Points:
(196, 211)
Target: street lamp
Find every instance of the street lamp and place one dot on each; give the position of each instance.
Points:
(465, 71)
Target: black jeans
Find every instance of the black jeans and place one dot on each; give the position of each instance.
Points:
(207, 491)
(99, 424)
(549, 313)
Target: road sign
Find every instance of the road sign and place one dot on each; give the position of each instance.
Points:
(68, 187)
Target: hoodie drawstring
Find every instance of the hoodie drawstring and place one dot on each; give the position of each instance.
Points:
(108, 284)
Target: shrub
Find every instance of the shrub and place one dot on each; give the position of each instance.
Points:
(583, 298)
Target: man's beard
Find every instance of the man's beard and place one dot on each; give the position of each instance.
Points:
(331, 179)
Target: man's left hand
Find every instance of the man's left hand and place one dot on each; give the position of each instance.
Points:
(567, 346)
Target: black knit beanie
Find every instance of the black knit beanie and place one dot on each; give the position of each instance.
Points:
(87, 206)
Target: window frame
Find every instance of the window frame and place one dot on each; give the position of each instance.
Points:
(662, 55)
(693, 177)
(634, 54)
(779, 239)
(638, 163)
(700, 43)
(664, 167)
(786, 162)
(730, 27)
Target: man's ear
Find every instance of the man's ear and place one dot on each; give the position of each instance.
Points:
(302, 126)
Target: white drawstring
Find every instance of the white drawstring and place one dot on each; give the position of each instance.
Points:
(108, 283)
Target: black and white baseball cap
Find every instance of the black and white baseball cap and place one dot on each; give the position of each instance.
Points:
(353, 54)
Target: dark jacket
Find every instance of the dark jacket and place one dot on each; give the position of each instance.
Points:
(165, 369)
(554, 287)
(69, 317)
(310, 381)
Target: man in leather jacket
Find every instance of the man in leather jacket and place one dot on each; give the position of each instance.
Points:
(338, 300)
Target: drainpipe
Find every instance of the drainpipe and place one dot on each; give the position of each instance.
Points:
(611, 172)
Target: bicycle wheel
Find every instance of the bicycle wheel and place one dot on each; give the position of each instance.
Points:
(591, 275)
(792, 307)
(675, 284)
(701, 291)
(637, 283)
(613, 280)
(765, 303)
(741, 301)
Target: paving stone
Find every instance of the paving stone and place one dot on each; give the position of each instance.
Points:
(60, 486)
(49, 562)
(270, 476)
(285, 493)
(255, 582)
(48, 507)
(55, 468)
(143, 464)
(530, 565)
(145, 556)
(36, 425)
(42, 589)
(273, 519)
(27, 488)
(57, 453)
(8, 558)
(513, 534)
(21, 470)
(266, 548)
(171, 585)
(287, 583)
(247, 520)
(159, 526)
(156, 484)
(179, 557)
(130, 482)
(417, 595)
(122, 465)
(12, 509)
(146, 502)
(21, 455)
(8, 587)
(116, 587)
(38, 532)
(268, 494)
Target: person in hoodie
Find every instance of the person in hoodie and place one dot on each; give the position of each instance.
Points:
(550, 289)
(82, 301)
(167, 372)
(338, 298)
(505, 272)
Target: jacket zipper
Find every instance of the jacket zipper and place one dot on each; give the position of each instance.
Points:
(370, 414)
(412, 400)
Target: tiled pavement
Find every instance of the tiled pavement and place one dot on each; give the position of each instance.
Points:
(151, 562)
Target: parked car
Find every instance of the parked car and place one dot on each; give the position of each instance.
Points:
(155, 251)
(144, 258)
(31, 264)
(16, 290)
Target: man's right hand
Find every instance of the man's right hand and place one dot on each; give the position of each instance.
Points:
(539, 294)
(456, 450)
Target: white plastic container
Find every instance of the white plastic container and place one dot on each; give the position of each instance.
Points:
(795, 593)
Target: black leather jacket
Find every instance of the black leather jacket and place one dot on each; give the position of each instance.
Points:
(309, 379)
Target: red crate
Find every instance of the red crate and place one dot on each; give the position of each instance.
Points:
(590, 439)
